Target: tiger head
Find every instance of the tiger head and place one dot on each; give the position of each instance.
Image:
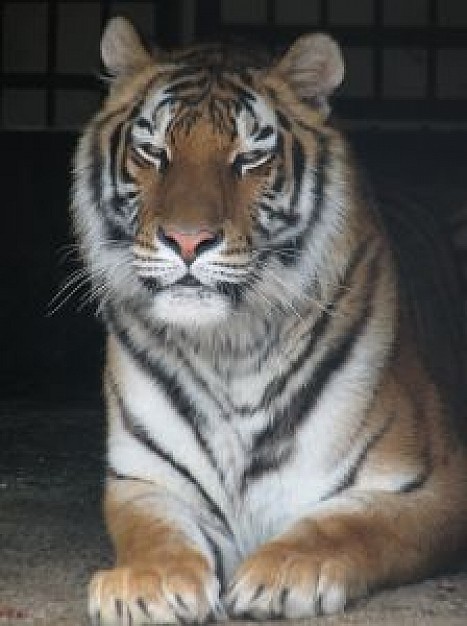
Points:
(200, 185)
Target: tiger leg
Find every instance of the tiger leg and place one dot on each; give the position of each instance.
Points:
(164, 570)
(351, 545)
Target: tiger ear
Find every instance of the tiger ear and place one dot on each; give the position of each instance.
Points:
(122, 49)
(313, 67)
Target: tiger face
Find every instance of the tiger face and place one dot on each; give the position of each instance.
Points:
(201, 188)
(202, 191)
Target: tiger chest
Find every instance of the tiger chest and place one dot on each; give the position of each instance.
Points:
(263, 458)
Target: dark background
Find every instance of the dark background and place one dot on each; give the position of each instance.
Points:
(404, 105)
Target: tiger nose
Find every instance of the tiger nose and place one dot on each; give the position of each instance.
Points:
(189, 244)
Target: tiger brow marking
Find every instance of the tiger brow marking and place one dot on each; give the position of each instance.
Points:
(142, 436)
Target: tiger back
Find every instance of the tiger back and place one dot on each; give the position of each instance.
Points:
(276, 445)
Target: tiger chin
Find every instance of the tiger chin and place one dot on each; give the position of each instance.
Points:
(276, 447)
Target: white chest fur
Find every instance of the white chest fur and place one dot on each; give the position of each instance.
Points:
(214, 439)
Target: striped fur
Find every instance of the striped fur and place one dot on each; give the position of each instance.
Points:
(276, 447)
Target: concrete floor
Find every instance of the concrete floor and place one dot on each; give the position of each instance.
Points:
(52, 537)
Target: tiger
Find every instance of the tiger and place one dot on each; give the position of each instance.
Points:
(276, 445)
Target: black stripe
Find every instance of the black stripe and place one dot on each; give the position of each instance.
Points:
(321, 176)
(95, 176)
(142, 436)
(179, 90)
(298, 170)
(290, 219)
(416, 483)
(197, 379)
(114, 153)
(283, 120)
(350, 477)
(264, 461)
(115, 230)
(218, 560)
(141, 602)
(161, 104)
(244, 101)
(233, 291)
(96, 157)
(286, 421)
(215, 550)
(125, 175)
(184, 71)
(264, 133)
(245, 96)
(318, 192)
(145, 124)
(175, 393)
(277, 385)
(113, 474)
(115, 211)
(279, 180)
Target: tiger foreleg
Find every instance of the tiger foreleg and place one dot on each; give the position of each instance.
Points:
(164, 572)
(350, 547)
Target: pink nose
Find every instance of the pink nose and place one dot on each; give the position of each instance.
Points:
(187, 244)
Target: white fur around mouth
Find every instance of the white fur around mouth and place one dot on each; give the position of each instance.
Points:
(188, 306)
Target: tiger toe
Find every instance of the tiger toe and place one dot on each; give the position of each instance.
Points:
(286, 584)
(128, 597)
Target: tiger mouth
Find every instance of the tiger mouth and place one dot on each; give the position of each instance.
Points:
(191, 285)
(188, 281)
(153, 285)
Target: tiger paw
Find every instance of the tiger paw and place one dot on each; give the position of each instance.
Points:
(288, 581)
(161, 594)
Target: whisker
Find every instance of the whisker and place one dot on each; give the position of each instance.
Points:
(286, 301)
(70, 280)
(67, 292)
(325, 307)
(255, 289)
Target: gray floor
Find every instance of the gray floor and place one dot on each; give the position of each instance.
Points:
(52, 538)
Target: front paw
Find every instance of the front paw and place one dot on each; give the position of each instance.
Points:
(166, 593)
(287, 580)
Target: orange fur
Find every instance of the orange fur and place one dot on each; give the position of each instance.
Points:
(156, 565)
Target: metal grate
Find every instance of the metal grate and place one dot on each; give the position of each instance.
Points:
(406, 61)
(50, 56)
